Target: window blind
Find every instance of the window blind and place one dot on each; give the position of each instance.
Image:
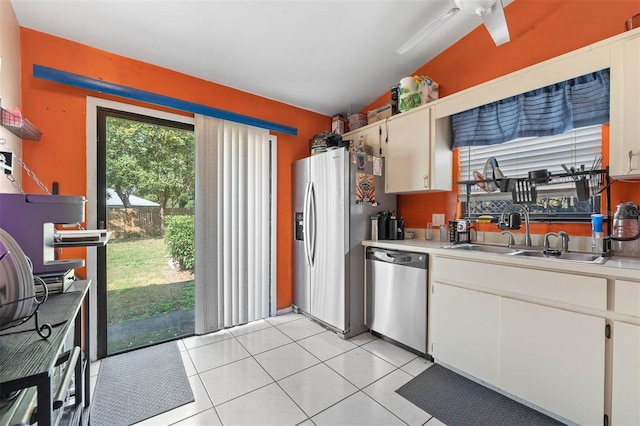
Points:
(550, 110)
(519, 156)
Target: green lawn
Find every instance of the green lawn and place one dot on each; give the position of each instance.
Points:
(139, 282)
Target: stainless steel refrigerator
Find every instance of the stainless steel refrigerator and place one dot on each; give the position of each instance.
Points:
(334, 195)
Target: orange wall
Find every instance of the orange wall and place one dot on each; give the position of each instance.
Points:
(540, 30)
(59, 112)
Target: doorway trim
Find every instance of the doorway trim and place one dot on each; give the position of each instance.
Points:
(91, 133)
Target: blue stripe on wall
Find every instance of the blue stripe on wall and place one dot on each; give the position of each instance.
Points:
(83, 82)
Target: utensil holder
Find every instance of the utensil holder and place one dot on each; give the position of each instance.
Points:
(505, 184)
(524, 192)
(582, 189)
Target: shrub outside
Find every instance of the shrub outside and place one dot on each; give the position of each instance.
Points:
(179, 236)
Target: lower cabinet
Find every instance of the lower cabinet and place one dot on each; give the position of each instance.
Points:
(625, 403)
(625, 381)
(550, 357)
(554, 359)
(466, 331)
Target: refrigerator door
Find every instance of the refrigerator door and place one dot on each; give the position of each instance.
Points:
(301, 264)
(329, 222)
(360, 229)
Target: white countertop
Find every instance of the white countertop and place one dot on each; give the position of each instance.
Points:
(615, 267)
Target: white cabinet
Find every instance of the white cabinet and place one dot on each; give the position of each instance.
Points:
(418, 153)
(372, 135)
(408, 151)
(417, 150)
(549, 357)
(625, 381)
(522, 331)
(465, 331)
(624, 142)
(627, 298)
(625, 401)
(554, 359)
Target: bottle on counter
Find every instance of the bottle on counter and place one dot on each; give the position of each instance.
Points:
(400, 228)
(374, 227)
(383, 225)
(392, 231)
(597, 233)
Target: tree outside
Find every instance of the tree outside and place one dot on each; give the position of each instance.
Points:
(152, 161)
(156, 163)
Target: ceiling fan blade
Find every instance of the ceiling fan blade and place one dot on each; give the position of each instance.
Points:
(420, 35)
(496, 23)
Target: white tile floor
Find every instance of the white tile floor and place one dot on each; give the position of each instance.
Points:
(288, 370)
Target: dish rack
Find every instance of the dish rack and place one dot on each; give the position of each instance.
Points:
(43, 330)
(525, 191)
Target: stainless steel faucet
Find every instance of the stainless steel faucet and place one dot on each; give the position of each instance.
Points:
(562, 234)
(512, 239)
(503, 225)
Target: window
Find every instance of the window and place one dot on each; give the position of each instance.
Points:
(576, 148)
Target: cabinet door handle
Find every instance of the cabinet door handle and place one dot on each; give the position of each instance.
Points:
(426, 180)
(631, 155)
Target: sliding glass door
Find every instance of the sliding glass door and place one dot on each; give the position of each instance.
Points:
(146, 197)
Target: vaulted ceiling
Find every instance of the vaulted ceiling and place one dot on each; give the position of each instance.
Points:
(323, 56)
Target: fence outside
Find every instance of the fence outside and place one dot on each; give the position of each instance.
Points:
(134, 223)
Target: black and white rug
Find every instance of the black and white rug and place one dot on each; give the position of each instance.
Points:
(140, 384)
(456, 400)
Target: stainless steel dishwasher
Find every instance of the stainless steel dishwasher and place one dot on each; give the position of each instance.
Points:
(396, 296)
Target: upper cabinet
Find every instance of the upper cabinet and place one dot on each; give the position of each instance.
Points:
(624, 142)
(417, 153)
(371, 135)
(407, 143)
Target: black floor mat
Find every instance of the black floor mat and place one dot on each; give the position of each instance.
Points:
(140, 384)
(456, 400)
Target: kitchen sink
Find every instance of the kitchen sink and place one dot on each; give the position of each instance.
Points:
(565, 255)
(510, 251)
(485, 248)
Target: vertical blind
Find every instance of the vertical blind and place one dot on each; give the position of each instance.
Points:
(519, 156)
(233, 222)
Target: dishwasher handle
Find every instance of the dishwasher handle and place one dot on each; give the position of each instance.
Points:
(404, 258)
(391, 257)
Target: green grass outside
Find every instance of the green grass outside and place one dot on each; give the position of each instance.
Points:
(138, 285)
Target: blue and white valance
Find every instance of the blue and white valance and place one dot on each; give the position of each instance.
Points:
(551, 110)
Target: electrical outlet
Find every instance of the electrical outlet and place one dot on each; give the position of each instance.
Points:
(437, 219)
(6, 162)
